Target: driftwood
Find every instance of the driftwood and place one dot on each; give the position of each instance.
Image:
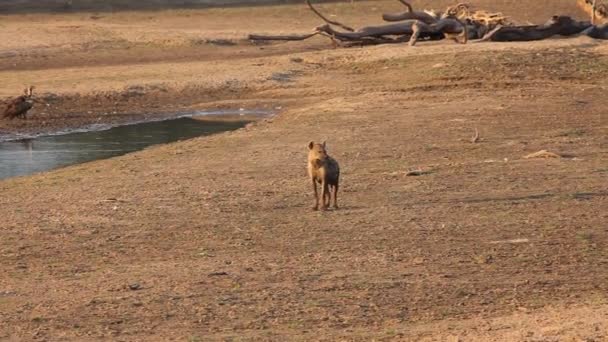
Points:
(427, 17)
(597, 32)
(418, 25)
(288, 37)
(409, 30)
(347, 28)
(404, 28)
(458, 22)
(557, 25)
(368, 37)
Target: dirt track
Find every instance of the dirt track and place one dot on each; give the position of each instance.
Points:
(218, 233)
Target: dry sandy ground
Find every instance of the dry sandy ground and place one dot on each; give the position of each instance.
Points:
(213, 238)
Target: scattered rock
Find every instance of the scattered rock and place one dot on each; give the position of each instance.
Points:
(217, 274)
(134, 90)
(418, 261)
(484, 259)
(285, 77)
(135, 286)
(417, 172)
(280, 77)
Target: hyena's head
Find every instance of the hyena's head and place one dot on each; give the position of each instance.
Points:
(317, 151)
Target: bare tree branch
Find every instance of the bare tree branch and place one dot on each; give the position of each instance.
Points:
(423, 16)
(409, 7)
(293, 37)
(347, 28)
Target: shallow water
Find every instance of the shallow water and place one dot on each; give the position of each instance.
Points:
(27, 156)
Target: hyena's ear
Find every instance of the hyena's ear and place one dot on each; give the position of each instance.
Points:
(323, 144)
(310, 145)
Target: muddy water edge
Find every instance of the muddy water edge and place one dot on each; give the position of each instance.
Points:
(24, 156)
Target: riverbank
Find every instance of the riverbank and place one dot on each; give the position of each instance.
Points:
(213, 238)
(113, 68)
(84, 125)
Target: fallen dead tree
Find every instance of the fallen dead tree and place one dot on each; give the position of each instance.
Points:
(459, 22)
(557, 25)
(597, 32)
(417, 26)
(288, 37)
(412, 29)
(427, 17)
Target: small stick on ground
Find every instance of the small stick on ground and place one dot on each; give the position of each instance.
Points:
(542, 154)
(287, 37)
(475, 138)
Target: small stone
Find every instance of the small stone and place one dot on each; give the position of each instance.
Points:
(134, 286)
(414, 173)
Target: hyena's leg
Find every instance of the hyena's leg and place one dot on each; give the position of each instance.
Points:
(327, 198)
(324, 194)
(336, 196)
(314, 188)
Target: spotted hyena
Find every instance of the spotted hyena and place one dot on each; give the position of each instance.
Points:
(324, 170)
